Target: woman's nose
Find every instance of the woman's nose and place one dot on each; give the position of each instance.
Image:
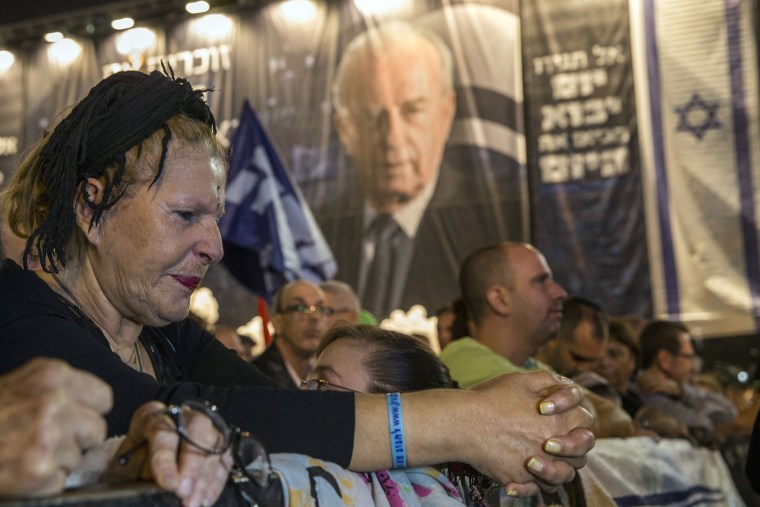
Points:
(210, 248)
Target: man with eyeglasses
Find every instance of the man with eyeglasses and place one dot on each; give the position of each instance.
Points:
(669, 365)
(300, 317)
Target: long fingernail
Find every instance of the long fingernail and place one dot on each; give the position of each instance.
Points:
(565, 380)
(535, 465)
(185, 487)
(552, 446)
(512, 492)
(547, 407)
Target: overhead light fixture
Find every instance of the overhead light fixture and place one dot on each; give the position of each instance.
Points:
(134, 43)
(197, 7)
(213, 26)
(135, 40)
(122, 23)
(64, 51)
(53, 36)
(299, 11)
(369, 7)
(6, 60)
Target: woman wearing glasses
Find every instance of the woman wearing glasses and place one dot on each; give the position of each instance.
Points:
(368, 359)
(120, 204)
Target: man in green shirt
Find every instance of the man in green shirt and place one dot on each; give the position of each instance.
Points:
(515, 306)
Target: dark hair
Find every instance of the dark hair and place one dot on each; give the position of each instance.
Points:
(621, 333)
(102, 137)
(575, 310)
(460, 327)
(394, 362)
(659, 335)
(442, 310)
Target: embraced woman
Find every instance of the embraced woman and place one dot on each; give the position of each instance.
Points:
(120, 204)
(369, 359)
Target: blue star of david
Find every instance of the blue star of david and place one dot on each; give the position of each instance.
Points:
(697, 116)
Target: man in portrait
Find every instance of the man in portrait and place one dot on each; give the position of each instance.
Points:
(400, 233)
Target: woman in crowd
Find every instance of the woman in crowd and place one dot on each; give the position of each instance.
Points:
(619, 365)
(120, 204)
(368, 359)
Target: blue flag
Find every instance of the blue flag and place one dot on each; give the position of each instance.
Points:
(270, 236)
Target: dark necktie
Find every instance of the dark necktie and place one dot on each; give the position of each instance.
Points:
(386, 233)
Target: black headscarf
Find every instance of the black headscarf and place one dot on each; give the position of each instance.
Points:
(120, 112)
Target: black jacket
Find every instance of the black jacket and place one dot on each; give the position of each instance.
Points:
(35, 322)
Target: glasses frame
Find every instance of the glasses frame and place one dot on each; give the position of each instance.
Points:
(232, 436)
(304, 310)
(320, 384)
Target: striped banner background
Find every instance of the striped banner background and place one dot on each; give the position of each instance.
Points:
(696, 70)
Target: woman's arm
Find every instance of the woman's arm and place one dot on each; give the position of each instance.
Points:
(498, 428)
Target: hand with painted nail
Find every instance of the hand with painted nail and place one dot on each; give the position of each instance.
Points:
(153, 450)
(540, 433)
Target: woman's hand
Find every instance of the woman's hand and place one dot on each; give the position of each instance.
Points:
(530, 431)
(49, 414)
(195, 476)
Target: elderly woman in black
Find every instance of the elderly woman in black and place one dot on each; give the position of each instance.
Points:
(120, 205)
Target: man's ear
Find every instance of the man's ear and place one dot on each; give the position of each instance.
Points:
(276, 320)
(664, 359)
(91, 194)
(346, 133)
(450, 109)
(499, 300)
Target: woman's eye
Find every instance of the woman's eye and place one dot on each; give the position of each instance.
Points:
(186, 215)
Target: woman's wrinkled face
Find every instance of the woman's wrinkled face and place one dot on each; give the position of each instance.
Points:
(157, 242)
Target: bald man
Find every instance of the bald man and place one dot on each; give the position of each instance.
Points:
(515, 307)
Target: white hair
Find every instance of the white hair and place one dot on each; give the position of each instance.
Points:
(342, 288)
(375, 37)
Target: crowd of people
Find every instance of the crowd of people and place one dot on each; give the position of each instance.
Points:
(127, 191)
(638, 379)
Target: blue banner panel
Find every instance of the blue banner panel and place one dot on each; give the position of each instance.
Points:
(587, 205)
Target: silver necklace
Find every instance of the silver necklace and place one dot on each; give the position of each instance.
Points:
(134, 360)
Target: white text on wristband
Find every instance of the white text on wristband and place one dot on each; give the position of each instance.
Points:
(396, 426)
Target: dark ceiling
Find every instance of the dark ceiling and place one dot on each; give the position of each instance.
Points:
(14, 11)
(26, 21)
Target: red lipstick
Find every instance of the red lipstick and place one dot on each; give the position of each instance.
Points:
(191, 282)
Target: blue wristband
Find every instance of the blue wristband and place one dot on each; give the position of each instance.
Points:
(396, 426)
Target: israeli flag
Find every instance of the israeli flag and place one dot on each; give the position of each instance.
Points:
(700, 137)
(270, 236)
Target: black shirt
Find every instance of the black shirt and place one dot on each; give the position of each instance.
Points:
(35, 321)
